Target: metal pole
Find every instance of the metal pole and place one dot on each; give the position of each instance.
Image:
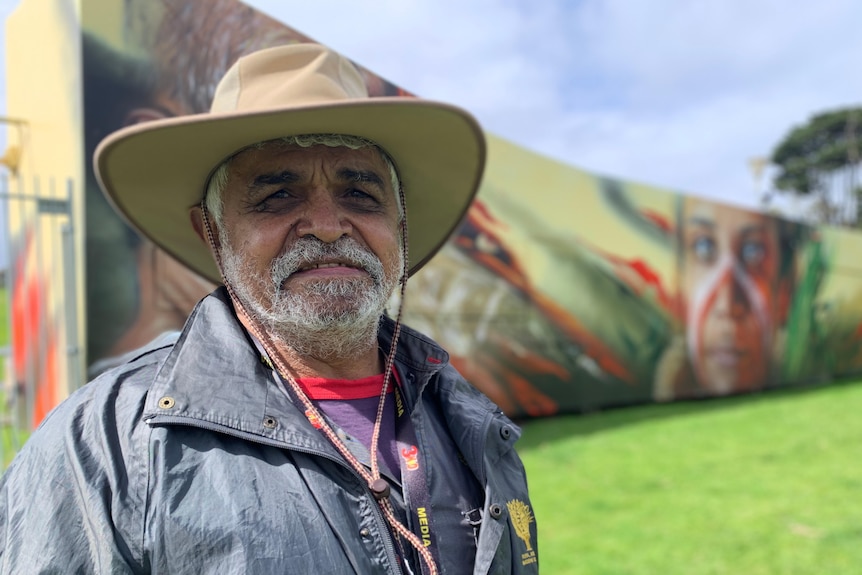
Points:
(9, 434)
(73, 349)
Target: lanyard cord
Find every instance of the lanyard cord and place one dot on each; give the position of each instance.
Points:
(377, 484)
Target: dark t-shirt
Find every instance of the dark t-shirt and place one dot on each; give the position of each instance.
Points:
(351, 408)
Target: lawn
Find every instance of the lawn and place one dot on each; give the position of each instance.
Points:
(10, 438)
(754, 485)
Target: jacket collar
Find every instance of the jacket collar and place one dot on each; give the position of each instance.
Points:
(214, 377)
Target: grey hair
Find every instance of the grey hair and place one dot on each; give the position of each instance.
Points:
(215, 187)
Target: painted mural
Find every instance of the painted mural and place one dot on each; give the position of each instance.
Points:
(562, 291)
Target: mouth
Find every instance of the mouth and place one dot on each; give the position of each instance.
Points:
(325, 265)
(725, 356)
(330, 269)
(314, 261)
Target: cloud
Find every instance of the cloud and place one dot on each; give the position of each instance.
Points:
(705, 86)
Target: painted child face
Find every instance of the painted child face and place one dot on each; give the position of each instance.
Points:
(730, 277)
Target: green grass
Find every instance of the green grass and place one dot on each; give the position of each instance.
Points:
(4, 327)
(10, 438)
(754, 485)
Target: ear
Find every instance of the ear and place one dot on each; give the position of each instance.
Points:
(140, 115)
(196, 215)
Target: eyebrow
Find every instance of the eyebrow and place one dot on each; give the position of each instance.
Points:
(288, 177)
(701, 221)
(708, 223)
(753, 229)
(264, 180)
(367, 176)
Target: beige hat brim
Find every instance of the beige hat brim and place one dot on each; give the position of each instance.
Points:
(154, 172)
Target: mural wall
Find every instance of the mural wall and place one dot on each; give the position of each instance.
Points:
(562, 291)
(588, 292)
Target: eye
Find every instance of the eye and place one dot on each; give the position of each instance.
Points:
(359, 194)
(703, 248)
(273, 201)
(360, 198)
(752, 253)
(280, 194)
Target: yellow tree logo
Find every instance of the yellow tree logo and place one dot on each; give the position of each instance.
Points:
(521, 519)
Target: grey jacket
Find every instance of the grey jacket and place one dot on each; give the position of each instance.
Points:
(190, 458)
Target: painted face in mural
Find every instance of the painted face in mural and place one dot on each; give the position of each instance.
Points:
(730, 274)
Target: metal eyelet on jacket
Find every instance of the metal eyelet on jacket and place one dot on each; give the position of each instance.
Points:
(270, 422)
(496, 511)
(166, 402)
(505, 432)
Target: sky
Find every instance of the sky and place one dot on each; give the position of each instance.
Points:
(672, 93)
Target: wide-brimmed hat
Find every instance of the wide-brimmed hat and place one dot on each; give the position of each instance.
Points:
(154, 172)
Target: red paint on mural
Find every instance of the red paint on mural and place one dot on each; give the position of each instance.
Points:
(34, 340)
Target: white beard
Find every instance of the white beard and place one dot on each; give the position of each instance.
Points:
(332, 318)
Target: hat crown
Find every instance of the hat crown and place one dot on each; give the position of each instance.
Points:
(152, 172)
(288, 76)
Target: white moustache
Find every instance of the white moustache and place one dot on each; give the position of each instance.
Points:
(308, 253)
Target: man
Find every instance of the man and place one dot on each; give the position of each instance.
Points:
(736, 280)
(291, 427)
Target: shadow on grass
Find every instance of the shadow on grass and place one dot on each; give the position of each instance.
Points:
(538, 431)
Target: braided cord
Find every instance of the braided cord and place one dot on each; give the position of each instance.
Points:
(373, 479)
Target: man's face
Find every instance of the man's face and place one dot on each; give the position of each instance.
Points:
(730, 281)
(310, 240)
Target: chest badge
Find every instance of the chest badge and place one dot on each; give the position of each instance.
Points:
(411, 457)
(522, 517)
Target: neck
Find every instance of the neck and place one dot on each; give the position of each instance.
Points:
(353, 360)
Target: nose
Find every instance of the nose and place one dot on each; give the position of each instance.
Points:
(323, 218)
(730, 297)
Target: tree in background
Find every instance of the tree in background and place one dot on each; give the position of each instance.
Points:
(820, 161)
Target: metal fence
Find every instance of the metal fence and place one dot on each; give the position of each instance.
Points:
(39, 348)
